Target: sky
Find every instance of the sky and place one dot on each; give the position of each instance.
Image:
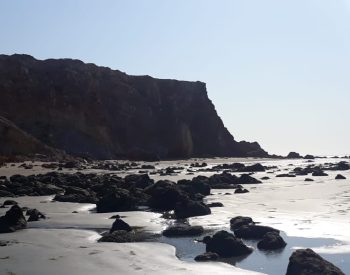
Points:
(276, 71)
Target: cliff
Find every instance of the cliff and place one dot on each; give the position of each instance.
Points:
(94, 111)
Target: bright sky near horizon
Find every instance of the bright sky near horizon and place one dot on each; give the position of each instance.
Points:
(277, 71)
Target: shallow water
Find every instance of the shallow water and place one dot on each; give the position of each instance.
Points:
(269, 262)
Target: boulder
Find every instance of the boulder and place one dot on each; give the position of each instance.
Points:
(189, 208)
(120, 200)
(319, 173)
(47, 189)
(239, 221)
(307, 262)
(34, 215)
(119, 236)
(309, 157)
(271, 241)
(183, 231)
(119, 224)
(13, 220)
(164, 195)
(308, 179)
(226, 245)
(138, 181)
(196, 185)
(294, 155)
(340, 177)
(247, 179)
(205, 257)
(4, 194)
(252, 168)
(241, 191)
(253, 231)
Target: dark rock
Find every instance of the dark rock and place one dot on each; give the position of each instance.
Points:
(71, 165)
(239, 221)
(247, 179)
(309, 157)
(196, 185)
(119, 236)
(34, 215)
(183, 231)
(47, 189)
(340, 177)
(294, 155)
(308, 179)
(265, 178)
(253, 231)
(319, 174)
(205, 257)
(307, 262)
(4, 193)
(147, 166)
(215, 204)
(13, 220)
(138, 181)
(119, 224)
(3, 243)
(285, 176)
(252, 168)
(189, 208)
(79, 198)
(241, 191)
(271, 241)
(9, 202)
(223, 180)
(226, 245)
(120, 200)
(165, 195)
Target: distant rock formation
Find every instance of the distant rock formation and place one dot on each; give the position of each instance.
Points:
(96, 112)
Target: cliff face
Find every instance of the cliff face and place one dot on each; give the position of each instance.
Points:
(94, 111)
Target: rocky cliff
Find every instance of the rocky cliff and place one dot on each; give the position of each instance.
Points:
(94, 111)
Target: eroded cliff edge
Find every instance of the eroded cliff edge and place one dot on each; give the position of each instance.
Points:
(92, 111)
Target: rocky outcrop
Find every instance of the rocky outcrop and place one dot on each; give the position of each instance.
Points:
(92, 111)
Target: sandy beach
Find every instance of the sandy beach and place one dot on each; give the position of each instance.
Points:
(66, 242)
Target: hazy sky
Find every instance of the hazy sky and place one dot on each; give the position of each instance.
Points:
(277, 71)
